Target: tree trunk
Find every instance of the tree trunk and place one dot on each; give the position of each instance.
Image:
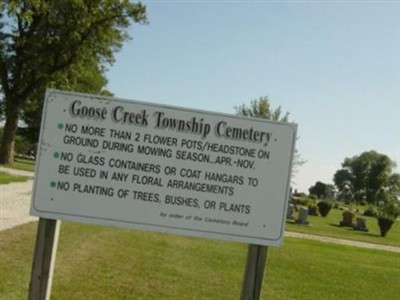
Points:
(10, 129)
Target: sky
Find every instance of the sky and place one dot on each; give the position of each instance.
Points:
(333, 65)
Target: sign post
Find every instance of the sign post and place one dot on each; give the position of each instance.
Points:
(145, 166)
(44, 259)
(254, 272)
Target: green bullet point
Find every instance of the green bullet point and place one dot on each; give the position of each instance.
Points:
(60, 126)
(56, 155)
(53, 184)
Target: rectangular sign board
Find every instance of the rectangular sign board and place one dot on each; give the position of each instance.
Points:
(152, 167)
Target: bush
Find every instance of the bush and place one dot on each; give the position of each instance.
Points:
(22, 145)
(302, 201)
(370, 212)
(384, 225)
(324, 207)
(388, 211)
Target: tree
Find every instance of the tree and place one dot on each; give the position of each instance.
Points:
(319, 189)
(261, 108)
(84, 76)
(322, 190)
(378, 176)
(394, 183)
(40, 39)
(342, 179)
(364, 176)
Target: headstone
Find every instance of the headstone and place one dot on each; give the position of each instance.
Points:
(303, 216)
(312, 210)
(361, 225)
(348, 218)
(290, 211)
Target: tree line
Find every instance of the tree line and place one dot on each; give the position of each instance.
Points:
(365, 178)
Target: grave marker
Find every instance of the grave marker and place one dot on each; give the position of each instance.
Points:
(348, 217)
(303, 216)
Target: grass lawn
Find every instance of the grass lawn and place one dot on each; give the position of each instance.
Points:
(22, 164)
(7, 178)
(95, 262)
(329, 226)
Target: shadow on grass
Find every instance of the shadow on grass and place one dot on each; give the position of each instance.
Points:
(356, 232)
(348, 228)
(335, 225)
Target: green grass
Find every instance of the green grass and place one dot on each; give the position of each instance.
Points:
(329, 226)
(22, 164)
(7, 178)
(95, 262)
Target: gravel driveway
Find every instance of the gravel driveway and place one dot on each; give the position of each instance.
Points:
(15, 200)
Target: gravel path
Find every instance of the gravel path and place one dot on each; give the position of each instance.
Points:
(15, 200)
(327, 239)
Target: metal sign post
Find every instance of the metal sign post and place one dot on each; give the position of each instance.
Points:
(254, 272)
(43, 259)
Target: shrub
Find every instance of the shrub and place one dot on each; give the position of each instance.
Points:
(22, 145)
(388, 211)
(303, 201)
(313, 197)
(370, 212)
(384, 225)
(324, 207)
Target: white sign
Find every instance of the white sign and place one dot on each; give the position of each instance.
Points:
(152, 167)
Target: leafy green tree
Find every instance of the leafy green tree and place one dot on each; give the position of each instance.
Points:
(261, 108)
(342, 179)
(41, 39)
(322, 190)
(394, 183)
(364, 175)
(84, 76)
(378, 176)
(319, 189)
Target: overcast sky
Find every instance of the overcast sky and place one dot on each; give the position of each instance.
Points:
(334, 65)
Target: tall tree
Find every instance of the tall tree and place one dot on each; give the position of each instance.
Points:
(319, 189)
(394, 183)
(84, 76)
(365, 175)
(343, 181)
(261, 108)
(39, 39)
